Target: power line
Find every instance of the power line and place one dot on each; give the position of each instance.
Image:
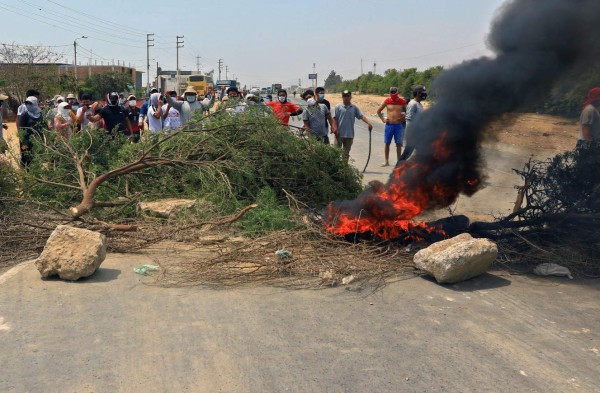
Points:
(34, 46)
(95, 17)
(76, 25)
(30, 17)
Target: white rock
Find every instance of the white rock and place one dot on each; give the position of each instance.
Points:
(165, 208)
(457, 259)
(348, 279)
(72, 253)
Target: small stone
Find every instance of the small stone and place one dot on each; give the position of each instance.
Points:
(348, 279)
(165, 208)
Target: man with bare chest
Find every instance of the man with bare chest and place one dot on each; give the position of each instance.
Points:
(396, 107)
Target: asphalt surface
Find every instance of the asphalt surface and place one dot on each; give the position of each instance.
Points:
(114, 333)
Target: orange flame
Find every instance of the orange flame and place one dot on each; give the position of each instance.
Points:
(387, 211)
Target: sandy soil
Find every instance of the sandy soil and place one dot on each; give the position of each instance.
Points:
(525, 130)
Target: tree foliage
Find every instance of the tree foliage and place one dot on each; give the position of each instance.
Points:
(228, 161)
(27, 67)
(371, 83)
(103, 84)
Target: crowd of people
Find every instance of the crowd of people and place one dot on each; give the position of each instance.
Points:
(165, 112)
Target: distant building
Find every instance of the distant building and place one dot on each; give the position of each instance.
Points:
(83, 72)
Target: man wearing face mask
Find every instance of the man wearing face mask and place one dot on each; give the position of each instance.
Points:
(413, 110)
(86, 108)
(316, 116)
(56, 101)
(320, 97)
(190, 104)
(133, 114)
(23, 108)
(114, 116)
(283, 109)
(395, 106)
(121, 99)
(31, 122)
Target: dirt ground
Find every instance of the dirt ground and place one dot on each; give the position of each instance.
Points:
(525, 130)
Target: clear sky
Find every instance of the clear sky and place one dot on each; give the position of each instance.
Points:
(261, 41)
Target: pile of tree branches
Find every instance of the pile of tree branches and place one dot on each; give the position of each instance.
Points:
(556, 217)
(254, 181)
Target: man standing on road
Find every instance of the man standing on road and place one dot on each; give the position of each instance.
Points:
(589, 122)
(283, 109)
(395, 106)
(114, 116)
(133, 114)
(23, 108)
(413, 110)
(320, 97)
(316, 116)
(345, 115)
(144, 108)
(171, 116)
(190, 105)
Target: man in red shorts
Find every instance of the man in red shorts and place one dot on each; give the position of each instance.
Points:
(396, 108)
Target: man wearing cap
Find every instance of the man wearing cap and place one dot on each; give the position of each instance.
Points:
(190, 104)
(589, 121)
(395, 106)
(52, 112)
(23, 108)
(413, 110)
(283, 109)
(31, 123)
(114, 116)
(2, 125)
(345, 115)
(133, 114)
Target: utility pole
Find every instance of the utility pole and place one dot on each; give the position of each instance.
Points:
(361, 67)
(157, 86)
(198, 63)
(179, 37)
(374, 67)
(314, 72)
(149, 43)
(220, 67)
(226, 72)
(75, 50)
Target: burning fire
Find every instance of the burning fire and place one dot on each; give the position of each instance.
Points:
(387, 210)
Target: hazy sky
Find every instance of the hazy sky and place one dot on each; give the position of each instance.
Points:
(261, 41)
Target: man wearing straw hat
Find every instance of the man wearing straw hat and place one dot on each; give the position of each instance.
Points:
(190, 104)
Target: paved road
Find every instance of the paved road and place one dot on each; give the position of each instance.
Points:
(113, 333)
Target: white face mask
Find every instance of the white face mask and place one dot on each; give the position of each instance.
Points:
(282, 99)
(311, 101)
(132, 103)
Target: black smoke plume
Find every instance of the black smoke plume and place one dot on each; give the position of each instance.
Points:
(534, 43)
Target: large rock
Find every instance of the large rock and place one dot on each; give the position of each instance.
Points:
(165, 208)
(72, 253)
(457, 259)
